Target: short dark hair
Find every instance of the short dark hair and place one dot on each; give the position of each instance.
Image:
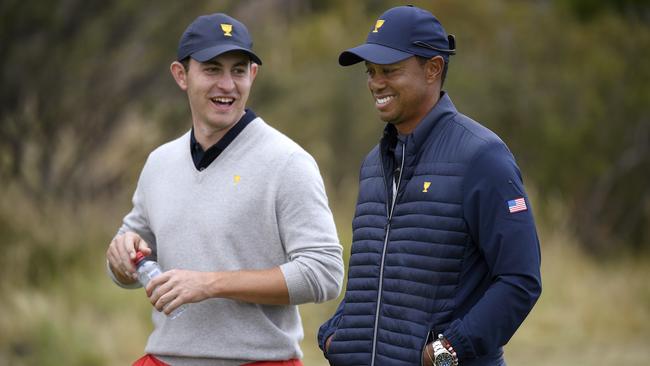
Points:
(186, 63)
(423, 60)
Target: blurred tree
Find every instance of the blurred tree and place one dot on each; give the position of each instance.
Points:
(86, 89)
(589, 9)
(72, 71)
(86, 94)
(568, 97)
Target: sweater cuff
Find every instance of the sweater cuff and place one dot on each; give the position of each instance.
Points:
(456, 334)
(299, 290)
(110, 273)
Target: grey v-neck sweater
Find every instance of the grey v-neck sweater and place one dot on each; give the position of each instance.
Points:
(260, 204)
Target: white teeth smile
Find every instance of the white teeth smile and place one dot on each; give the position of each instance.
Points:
(384, 100)
(223, 100)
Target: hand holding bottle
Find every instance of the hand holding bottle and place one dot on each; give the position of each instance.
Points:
(148, 270)
(121, 255)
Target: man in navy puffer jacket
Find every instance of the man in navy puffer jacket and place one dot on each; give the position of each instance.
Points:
(445, 259)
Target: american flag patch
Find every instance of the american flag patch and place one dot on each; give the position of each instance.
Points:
(517, 205)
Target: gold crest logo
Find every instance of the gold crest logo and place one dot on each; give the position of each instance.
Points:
(236, 179)
(426, 187)
(226, 28)
(378, 25)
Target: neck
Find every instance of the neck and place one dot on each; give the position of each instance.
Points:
(207, 135)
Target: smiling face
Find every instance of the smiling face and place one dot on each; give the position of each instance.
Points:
(217, 91)
(404, 92)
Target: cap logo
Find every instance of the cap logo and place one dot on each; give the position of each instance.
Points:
(226, 28)
(378, 25)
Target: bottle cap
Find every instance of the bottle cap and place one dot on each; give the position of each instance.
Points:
(139, 257)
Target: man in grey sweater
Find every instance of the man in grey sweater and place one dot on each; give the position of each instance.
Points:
(236, 215)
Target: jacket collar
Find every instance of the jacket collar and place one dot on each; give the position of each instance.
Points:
(443, 110)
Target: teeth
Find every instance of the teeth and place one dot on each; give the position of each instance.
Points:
(223, 100)
(384, 100)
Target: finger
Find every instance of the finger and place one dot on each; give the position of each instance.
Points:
(154, 296)
(116, 265)
(118, 253)
(132, 242)
(143, 247)
(111, 254)
(158, 283)
(328, 342)
(168, 305)
(113, 265)
(163, 302)
(158, 303)
(163, 290)
(172, 305)
(120, 243)
(124, 261)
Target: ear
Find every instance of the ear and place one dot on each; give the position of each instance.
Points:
(254, 68)
(433, 69)
(180, 75)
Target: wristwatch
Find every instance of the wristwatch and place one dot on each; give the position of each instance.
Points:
(441, 355)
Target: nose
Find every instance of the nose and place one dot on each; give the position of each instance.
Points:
(376, 82)
(226, 82)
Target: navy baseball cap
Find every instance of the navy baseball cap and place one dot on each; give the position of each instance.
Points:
(211, 35)
(400, 33)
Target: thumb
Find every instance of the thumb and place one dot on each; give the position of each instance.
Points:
(144, 248)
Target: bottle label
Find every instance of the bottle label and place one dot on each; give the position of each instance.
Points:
(148, 271)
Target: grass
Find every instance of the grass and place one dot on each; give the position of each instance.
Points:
(592, 311)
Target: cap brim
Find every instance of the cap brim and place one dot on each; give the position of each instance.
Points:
(372, 52)
(208, 54)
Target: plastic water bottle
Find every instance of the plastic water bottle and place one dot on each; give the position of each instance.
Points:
(147, 270)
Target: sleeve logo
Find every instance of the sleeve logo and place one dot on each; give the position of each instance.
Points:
(516, 205)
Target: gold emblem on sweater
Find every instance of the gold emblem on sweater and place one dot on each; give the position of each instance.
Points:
(236, 179)
(426, 187)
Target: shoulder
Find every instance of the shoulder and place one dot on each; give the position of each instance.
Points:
(271, 144)
(467, 139)
(487, 158)
(281, 160)
(263, 151)
(169, 152)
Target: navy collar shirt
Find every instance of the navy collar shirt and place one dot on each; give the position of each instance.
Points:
(203, 158)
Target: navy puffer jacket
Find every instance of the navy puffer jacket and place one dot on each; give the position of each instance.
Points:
(452, 254)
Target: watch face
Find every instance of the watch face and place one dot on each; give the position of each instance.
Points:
(444, 359)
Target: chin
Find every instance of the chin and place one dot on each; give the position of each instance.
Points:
(386, 119)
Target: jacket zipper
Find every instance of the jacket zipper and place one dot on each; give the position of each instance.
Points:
(383, 252)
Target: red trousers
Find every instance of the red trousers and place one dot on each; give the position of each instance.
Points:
(149, 360)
